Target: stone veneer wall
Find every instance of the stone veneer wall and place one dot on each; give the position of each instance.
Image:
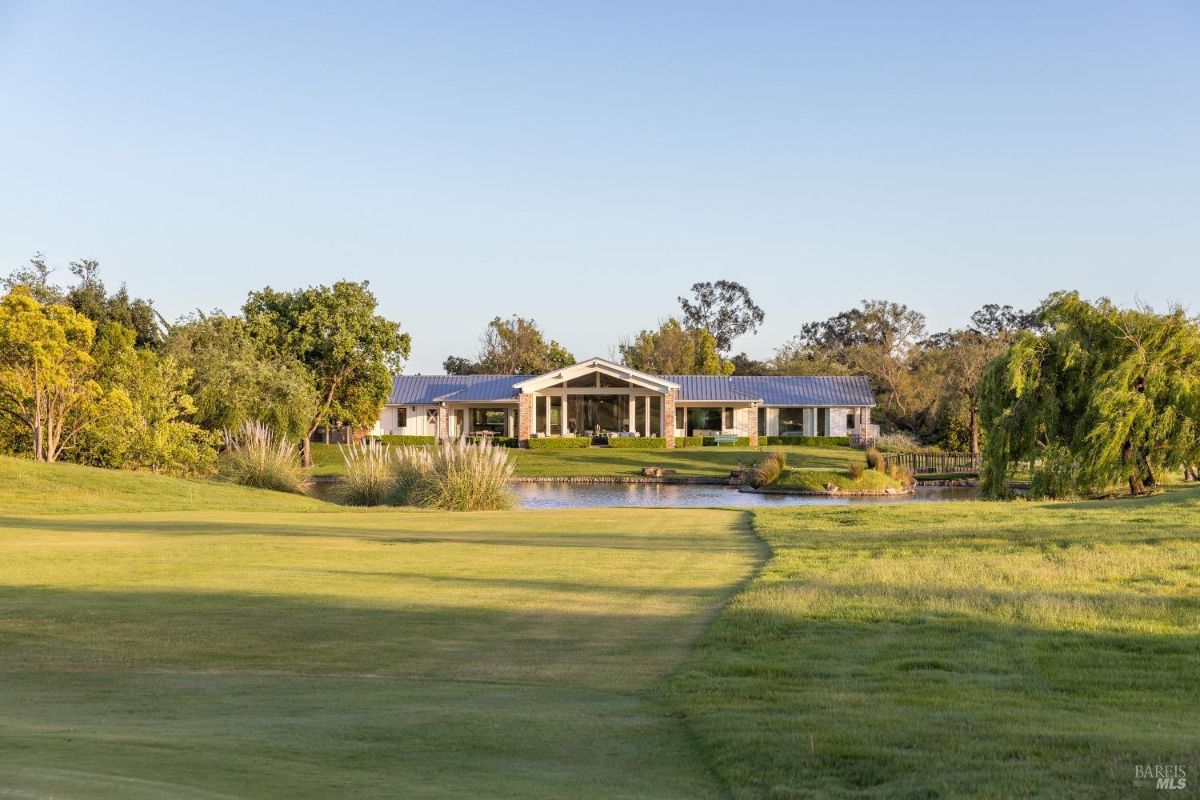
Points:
(524, 418)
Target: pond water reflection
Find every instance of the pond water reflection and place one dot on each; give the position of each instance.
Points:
(593, 495)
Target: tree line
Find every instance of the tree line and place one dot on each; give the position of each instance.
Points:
(927, 383)
(100, 378)
(1074, 395)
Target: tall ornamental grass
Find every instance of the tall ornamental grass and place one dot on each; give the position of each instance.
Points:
(769, 469)
(454, 476)
(255, 456)
(370, 478)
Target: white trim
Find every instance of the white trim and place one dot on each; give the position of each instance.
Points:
(643, 379)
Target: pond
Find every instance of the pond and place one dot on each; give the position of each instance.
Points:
(593, 495)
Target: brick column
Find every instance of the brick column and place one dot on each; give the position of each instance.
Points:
(864, 423)
(443, 423)
(752, 426)
(524, 418)
(668, 402)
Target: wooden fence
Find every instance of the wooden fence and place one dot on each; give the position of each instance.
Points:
(934, 463)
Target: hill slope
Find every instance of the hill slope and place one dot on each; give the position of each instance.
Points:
(27, 487)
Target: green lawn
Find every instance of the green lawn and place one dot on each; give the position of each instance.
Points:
(251, 644)
(954, 650)
(203, 654)
(815, 480)
(610, 462)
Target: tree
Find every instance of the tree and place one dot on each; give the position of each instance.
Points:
(457, 365)
(232, 380)
(743, 364)
(724, 308)
(151, 428)
(89, 297)
(512, 346)
(675, 349)
(881, 340)
(959, 358)
(799, 357)
(36, 279)
(1104, 395)
(349, 351)
(47, 373)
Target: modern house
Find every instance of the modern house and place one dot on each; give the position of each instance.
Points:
(599, 398)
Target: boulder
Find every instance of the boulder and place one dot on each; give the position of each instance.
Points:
(652, 472)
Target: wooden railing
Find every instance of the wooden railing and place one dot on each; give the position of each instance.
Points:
(934, 463)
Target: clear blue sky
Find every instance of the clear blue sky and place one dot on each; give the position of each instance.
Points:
(584, 163)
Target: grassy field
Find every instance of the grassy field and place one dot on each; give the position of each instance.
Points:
(815, 480)
(955, 650)
(609, 462)
(204, 654)
(251, 644)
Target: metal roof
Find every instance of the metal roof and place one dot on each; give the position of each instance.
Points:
(426, 389)
(771, 390)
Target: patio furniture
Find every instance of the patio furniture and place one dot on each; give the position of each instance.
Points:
(724, 438)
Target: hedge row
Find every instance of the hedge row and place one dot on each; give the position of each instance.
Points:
(560, 443)
(393, 439)
(638, 442)
(807, 441)
(689, 441)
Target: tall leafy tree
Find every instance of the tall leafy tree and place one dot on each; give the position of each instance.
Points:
(349, 351)
(89, 297)
(881, 340)
(233, 380)
(512, 346)
(675, 348)
(152, 428)
(47, 373)
(724, 308)
(1106, 395)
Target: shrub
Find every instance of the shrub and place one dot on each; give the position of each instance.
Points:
(874, 459)
(370, 478)
(401, 441)
(638, 442)
(899, 473)
(856, 470)
(901, 443)
(767, 470)
(807, 441)
(560, 442)
(689, 441)
(253, 456)
(454, 476)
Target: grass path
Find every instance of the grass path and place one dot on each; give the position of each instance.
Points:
(363, 654)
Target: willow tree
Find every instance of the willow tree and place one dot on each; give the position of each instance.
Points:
(1104, 396)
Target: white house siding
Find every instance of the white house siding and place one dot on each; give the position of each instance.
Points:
(837, 421)
(416, 422)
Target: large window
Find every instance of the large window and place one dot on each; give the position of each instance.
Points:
(791, 421)
(488, 419)
(707, 420)
(401, 417)
(588, 413)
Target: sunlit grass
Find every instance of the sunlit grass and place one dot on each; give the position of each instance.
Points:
(356, 653)
(948, 650)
